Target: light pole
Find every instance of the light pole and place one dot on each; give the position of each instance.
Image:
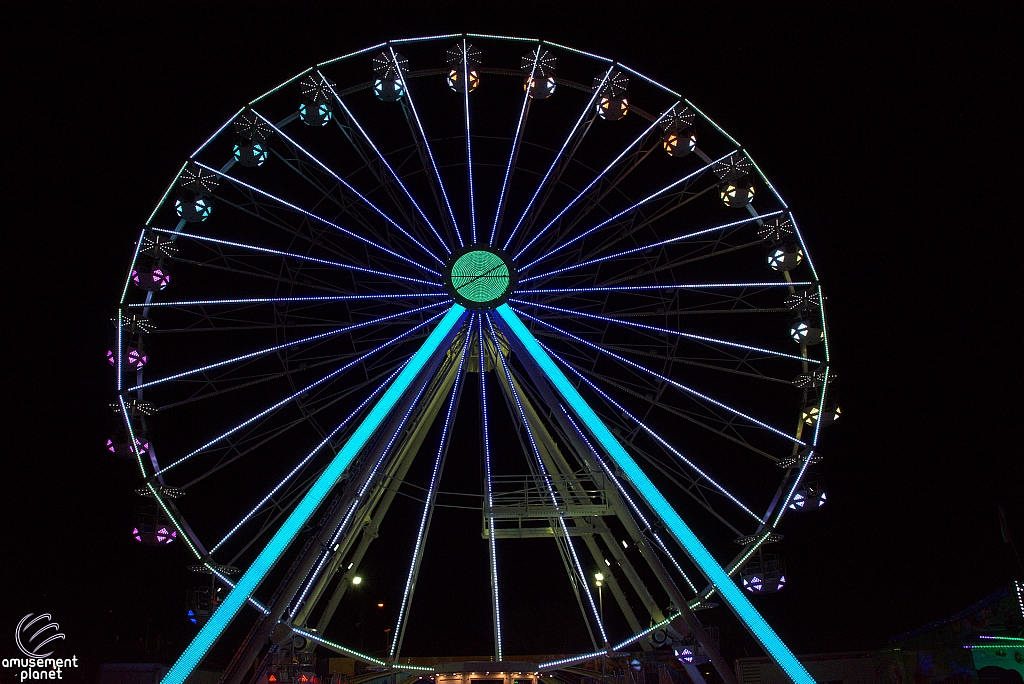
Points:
(599, 581)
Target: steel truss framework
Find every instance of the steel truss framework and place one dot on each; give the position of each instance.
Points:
(307, 342)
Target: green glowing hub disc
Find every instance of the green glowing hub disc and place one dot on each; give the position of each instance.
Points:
(479, 278)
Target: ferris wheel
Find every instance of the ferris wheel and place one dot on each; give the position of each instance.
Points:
(531, 252)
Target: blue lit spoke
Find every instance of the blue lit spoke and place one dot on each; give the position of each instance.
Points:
(625, 211)
(663, 378)
(313, 216)
(270, 350)
(586, 111)
(493, 548)
(380, 155)
(547, 482)
(697, 552)
(292, 396)
(622, 490)
(351, 189)
(594, 182)
(644, 288)
(281, 300)
(267, 250)
(654, 328)
(305, 509)
(469, 146)
(653, 434)
(515, 147)
(306, 460)
(426, 144)
(634, 250)
(428, 505)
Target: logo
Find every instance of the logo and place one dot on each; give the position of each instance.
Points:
(31, 644)
(32, 636)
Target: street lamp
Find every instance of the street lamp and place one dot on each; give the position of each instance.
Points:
(357, 580)
(599, 581)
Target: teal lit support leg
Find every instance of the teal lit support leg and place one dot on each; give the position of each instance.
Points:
(252, 577)
(727, 589)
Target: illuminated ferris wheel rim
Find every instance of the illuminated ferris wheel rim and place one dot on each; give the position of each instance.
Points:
(490, 297)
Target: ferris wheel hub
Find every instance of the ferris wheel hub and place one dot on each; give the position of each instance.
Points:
(480, 277)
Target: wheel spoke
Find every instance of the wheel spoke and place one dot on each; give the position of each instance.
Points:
(645, 288)
(306, 460)
(587, 111)
(426, 144)
(292, 396)
(300, 257)
(667, 331)
(658, 438)
(320, 219)
(492, 541)
(633, 207)
(643, 248)
(582, 577)
(428, 506)
(469, 143)
(380, 155)
(594, 182)
(674, 383)
(285, 300)
(351, 189)
(499, 211)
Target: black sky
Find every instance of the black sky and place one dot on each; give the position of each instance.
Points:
(893, 130)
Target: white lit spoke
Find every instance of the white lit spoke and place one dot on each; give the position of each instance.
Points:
(285, 300)
(313, 216)
(547, 482)
(291, 397)
(300, 257)
(469, 144)
(587, 111)
(646, 288)
(270, 350)
(635, 250)
(492, 545)
(351, 189)
(309, 457)
(633, 207)
(515, 148)
(426, 145)
(383, 160)
(428, 506)
(368, 482)
(610, 474)
(693, 466)
(663, 378)
(667, 331)
(594, 182)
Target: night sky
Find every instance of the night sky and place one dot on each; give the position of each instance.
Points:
(892, 131)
